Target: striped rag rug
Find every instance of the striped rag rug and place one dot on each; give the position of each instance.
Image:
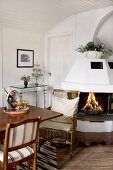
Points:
(46, 158)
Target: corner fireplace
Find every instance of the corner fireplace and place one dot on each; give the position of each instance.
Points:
(95, 110)
(92, 75)
(95, 103)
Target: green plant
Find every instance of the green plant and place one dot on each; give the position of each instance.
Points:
(25, 78)
(95, 46)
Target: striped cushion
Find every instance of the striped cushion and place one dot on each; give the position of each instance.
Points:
(17, 154)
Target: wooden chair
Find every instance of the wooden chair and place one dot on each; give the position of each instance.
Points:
(20, 144)
(62, 130)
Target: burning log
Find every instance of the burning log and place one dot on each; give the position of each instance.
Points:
(92, 104)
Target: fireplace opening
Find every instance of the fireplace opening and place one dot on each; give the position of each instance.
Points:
(95, 103)
(92, 104)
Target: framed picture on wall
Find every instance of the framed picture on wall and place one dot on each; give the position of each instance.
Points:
(25, 58)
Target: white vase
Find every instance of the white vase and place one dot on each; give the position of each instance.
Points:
(93, 54)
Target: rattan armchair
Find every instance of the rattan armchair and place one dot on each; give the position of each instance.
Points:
(62, 130)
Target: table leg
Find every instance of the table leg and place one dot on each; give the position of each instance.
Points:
(36, 98)
(45, 92)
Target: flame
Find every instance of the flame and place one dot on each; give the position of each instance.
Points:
(92, 104)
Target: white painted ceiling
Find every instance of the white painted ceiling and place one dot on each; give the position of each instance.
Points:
(41, 15)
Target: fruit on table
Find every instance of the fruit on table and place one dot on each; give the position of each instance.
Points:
(20, 103)
(14, 104)
(25, 101)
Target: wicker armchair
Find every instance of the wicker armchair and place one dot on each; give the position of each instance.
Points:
(62, 130)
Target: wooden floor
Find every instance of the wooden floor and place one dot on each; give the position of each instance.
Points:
(94, 157)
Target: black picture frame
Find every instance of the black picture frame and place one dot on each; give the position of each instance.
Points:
(25, 58)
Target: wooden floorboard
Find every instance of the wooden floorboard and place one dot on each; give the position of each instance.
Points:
(94, 157)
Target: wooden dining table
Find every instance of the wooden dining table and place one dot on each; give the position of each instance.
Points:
(33, 113)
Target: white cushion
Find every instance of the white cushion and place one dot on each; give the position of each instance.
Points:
(55, 125)
(17, 154)
(62, 119)
(65, 106)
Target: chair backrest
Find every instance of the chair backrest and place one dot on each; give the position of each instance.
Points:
(21, 134)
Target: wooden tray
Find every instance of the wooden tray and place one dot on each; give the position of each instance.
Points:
(15, 112)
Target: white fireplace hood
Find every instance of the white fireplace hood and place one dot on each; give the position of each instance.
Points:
(90, 75)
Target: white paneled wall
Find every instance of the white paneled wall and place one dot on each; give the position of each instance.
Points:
(87, 23)
(107, 36)
(14, 39)
(60, 43)
(60, 59)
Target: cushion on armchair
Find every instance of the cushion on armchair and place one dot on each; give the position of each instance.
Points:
(65, 106)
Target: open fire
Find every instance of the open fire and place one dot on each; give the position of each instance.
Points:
(91, 104)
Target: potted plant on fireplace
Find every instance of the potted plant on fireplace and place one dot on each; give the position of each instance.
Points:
(95, 49)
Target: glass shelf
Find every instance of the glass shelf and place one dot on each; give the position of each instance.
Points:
(31, 88)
